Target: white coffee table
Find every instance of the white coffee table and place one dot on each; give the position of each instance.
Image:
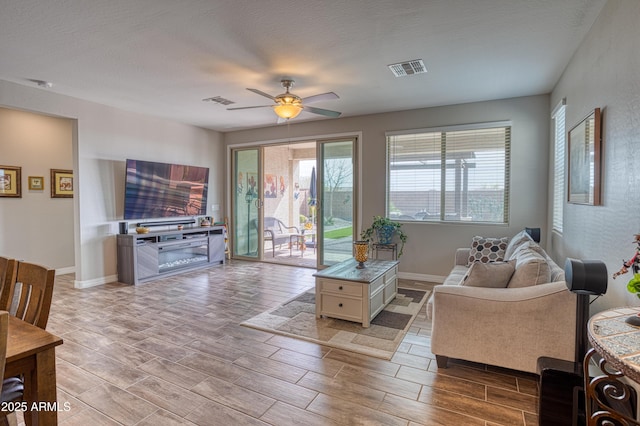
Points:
(345, 292)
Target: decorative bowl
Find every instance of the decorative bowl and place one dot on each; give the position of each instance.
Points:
(142, 230)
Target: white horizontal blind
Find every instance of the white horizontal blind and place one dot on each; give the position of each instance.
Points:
(456, 174)
(559, 167)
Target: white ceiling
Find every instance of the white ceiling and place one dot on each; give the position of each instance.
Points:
(162, 57)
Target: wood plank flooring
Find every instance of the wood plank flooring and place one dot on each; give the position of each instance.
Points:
(172, 352)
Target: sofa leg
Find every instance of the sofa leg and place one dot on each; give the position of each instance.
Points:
(442, 361)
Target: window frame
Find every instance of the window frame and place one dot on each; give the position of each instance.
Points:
(507, 125)
(559, 167)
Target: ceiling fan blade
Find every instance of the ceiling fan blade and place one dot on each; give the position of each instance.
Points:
(261, 93)
(321, 97)
(249, 107)
(321, 111)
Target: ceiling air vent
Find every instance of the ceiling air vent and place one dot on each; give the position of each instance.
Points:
(219, 100)
(415, 66)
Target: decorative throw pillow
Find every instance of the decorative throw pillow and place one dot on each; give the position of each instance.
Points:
(532, 267)
(531, 273)
(492, 275)
(515, 242)
(527, 251)
(487, 250)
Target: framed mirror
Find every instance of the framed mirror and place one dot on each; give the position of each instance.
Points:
(584, 160)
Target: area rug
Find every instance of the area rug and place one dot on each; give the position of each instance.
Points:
(297, 318)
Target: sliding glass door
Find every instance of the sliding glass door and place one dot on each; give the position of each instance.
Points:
(336, 207)
(246, 187)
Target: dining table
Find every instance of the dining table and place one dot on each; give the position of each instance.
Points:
(31, 354)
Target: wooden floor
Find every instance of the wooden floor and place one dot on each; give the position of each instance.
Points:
(172, 352)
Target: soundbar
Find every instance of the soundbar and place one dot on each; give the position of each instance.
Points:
(167, 222)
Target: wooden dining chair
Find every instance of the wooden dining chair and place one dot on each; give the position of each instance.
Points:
(4, 329)
(29, 299)
(30, 293)
(7, 278)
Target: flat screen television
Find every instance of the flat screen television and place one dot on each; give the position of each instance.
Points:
(156, 190)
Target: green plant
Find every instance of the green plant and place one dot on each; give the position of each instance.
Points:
(371, 233)
(633, 286)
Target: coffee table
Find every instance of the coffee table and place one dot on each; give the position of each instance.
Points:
(345, 292)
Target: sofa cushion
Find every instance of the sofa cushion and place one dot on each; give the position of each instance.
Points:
(531, 273)
(487, 250)
(456, 275)
(532, 267)
(528, 250)
(515, 242)
(494, 274)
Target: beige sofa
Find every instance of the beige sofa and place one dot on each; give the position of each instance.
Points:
(509, 326)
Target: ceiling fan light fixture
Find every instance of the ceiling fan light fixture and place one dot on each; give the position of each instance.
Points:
(287, 111)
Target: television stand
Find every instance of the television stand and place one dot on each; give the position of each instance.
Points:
(146, 257)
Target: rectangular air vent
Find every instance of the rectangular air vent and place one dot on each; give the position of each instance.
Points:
(415, 66)
(219, 100)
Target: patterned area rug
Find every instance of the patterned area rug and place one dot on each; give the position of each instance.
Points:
(297, 318)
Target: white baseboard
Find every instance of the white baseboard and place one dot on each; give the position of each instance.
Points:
(421, 277)
(67, 270)
(94, 282)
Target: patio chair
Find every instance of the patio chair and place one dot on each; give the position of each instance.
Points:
(278, 233)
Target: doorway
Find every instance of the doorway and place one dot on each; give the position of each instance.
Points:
(294, 203)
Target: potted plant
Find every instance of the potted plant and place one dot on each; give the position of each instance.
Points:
(383, 230)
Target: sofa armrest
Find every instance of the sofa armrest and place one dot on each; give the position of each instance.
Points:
(509, 327)
(462, 256)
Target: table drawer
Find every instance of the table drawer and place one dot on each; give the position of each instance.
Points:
(341, 307)
(390, 291)
(377, 303)
(376, 286)
(341, 287)
(391, 274)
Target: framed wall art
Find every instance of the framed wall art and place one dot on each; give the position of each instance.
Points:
(10, 179)
(36, 183)
(61, 183)
(585, 151)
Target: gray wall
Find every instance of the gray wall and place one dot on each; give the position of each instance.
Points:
(605, 72)
(430, 248)
(103, 139)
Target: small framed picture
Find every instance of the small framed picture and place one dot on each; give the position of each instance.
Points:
(61, 183)
(36, 183)
(10, 179)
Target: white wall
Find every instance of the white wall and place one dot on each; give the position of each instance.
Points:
(105, 137)
(31, 225)
(430, 247)
(605, 72)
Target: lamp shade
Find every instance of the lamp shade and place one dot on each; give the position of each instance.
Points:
(586, 276)
(287, 111)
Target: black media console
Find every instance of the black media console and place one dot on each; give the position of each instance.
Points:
(145, 257)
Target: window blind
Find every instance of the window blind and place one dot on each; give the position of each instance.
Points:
(450, 174)
(559, 166)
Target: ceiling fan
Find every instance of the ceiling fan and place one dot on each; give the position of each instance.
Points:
(288, 105)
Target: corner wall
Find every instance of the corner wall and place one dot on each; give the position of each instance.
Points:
(31, 225)
(104, 138)
(604, 72)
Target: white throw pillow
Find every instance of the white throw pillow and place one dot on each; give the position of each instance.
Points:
(515, 242)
